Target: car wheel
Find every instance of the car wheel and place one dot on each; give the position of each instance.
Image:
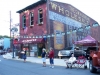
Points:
(92, 68)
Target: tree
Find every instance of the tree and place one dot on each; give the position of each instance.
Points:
(5, 36)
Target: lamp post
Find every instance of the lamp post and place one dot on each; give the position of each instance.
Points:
(13, 43)
(13, 30)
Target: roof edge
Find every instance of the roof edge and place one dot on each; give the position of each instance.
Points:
(32, 5)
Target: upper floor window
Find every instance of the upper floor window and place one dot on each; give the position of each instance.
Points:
(40, 16)
(23, 21)
(31, 19)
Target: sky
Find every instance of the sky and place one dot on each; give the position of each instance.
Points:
(89, 7)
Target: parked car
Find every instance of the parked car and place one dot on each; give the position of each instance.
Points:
(67, 52)
(2, 52)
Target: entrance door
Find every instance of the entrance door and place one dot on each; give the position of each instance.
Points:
(40, 47)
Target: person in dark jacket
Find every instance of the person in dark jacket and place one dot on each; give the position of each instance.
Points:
(43, 55)
(51, 57)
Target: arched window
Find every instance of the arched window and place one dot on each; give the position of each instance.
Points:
(23, 21)
(31, 19)
(40, 16)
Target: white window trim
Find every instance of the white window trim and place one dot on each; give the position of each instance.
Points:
(30, 18)
(23, 20)
(40, 18)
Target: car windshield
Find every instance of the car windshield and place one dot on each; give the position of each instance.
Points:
(68, 48)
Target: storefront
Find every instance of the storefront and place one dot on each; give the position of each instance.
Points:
(32, 46)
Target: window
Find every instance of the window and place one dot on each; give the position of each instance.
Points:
(40, 16)
(31, 19)
(24, 21)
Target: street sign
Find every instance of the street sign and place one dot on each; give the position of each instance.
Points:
(15, 42)
(14, 29)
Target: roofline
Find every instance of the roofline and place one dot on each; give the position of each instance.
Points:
(32, 6)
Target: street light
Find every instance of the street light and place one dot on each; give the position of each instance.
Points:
(13, 30)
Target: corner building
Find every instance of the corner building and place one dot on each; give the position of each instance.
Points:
(46, 24)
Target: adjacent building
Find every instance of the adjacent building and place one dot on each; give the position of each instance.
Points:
(46, 24)
(4, 43)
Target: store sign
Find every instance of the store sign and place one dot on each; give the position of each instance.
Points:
(14, 29)
(30, 40)
(69, 11)
(15, 42)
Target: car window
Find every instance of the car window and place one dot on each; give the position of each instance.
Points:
(68, 48)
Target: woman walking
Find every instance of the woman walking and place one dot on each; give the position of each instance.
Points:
(44, 57)
(51, 57)
(24, 54)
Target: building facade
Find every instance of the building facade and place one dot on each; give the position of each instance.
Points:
(46, 24)
(4, 43)
(33, 27)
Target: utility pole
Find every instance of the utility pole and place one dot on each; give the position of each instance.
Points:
(11, 39)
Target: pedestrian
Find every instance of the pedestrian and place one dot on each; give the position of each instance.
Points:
(24, 54)
(51, 57)
(44, 57)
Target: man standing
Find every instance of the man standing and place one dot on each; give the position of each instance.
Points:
(51, 57)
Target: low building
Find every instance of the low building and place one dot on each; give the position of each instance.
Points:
(4, 43)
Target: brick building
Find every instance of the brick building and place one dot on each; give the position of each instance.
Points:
(46, 24)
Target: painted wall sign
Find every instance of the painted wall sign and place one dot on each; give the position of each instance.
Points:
(63, 19)
(69, 11)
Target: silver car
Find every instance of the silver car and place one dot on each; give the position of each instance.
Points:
(66, 52)
(69, 51)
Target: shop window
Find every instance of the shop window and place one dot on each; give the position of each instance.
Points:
(40, 16)
(31, 19)
(23, 21)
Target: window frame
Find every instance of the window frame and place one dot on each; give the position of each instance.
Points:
(40, 12)
(31, 19)
(23, 19)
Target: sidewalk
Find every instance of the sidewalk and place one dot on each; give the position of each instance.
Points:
(57, 62)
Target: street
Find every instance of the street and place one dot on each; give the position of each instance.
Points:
(14, 67)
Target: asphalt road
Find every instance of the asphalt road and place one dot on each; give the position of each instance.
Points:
(14, 67)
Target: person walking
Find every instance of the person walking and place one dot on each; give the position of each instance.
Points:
(51, 57)
(24, 54)
(43, 55)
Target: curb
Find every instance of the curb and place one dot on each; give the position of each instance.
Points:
(34, 62)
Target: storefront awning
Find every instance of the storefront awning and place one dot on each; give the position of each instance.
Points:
(31, 40)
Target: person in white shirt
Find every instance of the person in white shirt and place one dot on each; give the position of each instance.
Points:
(70, 61)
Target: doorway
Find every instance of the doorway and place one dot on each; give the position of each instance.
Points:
(40, 47)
